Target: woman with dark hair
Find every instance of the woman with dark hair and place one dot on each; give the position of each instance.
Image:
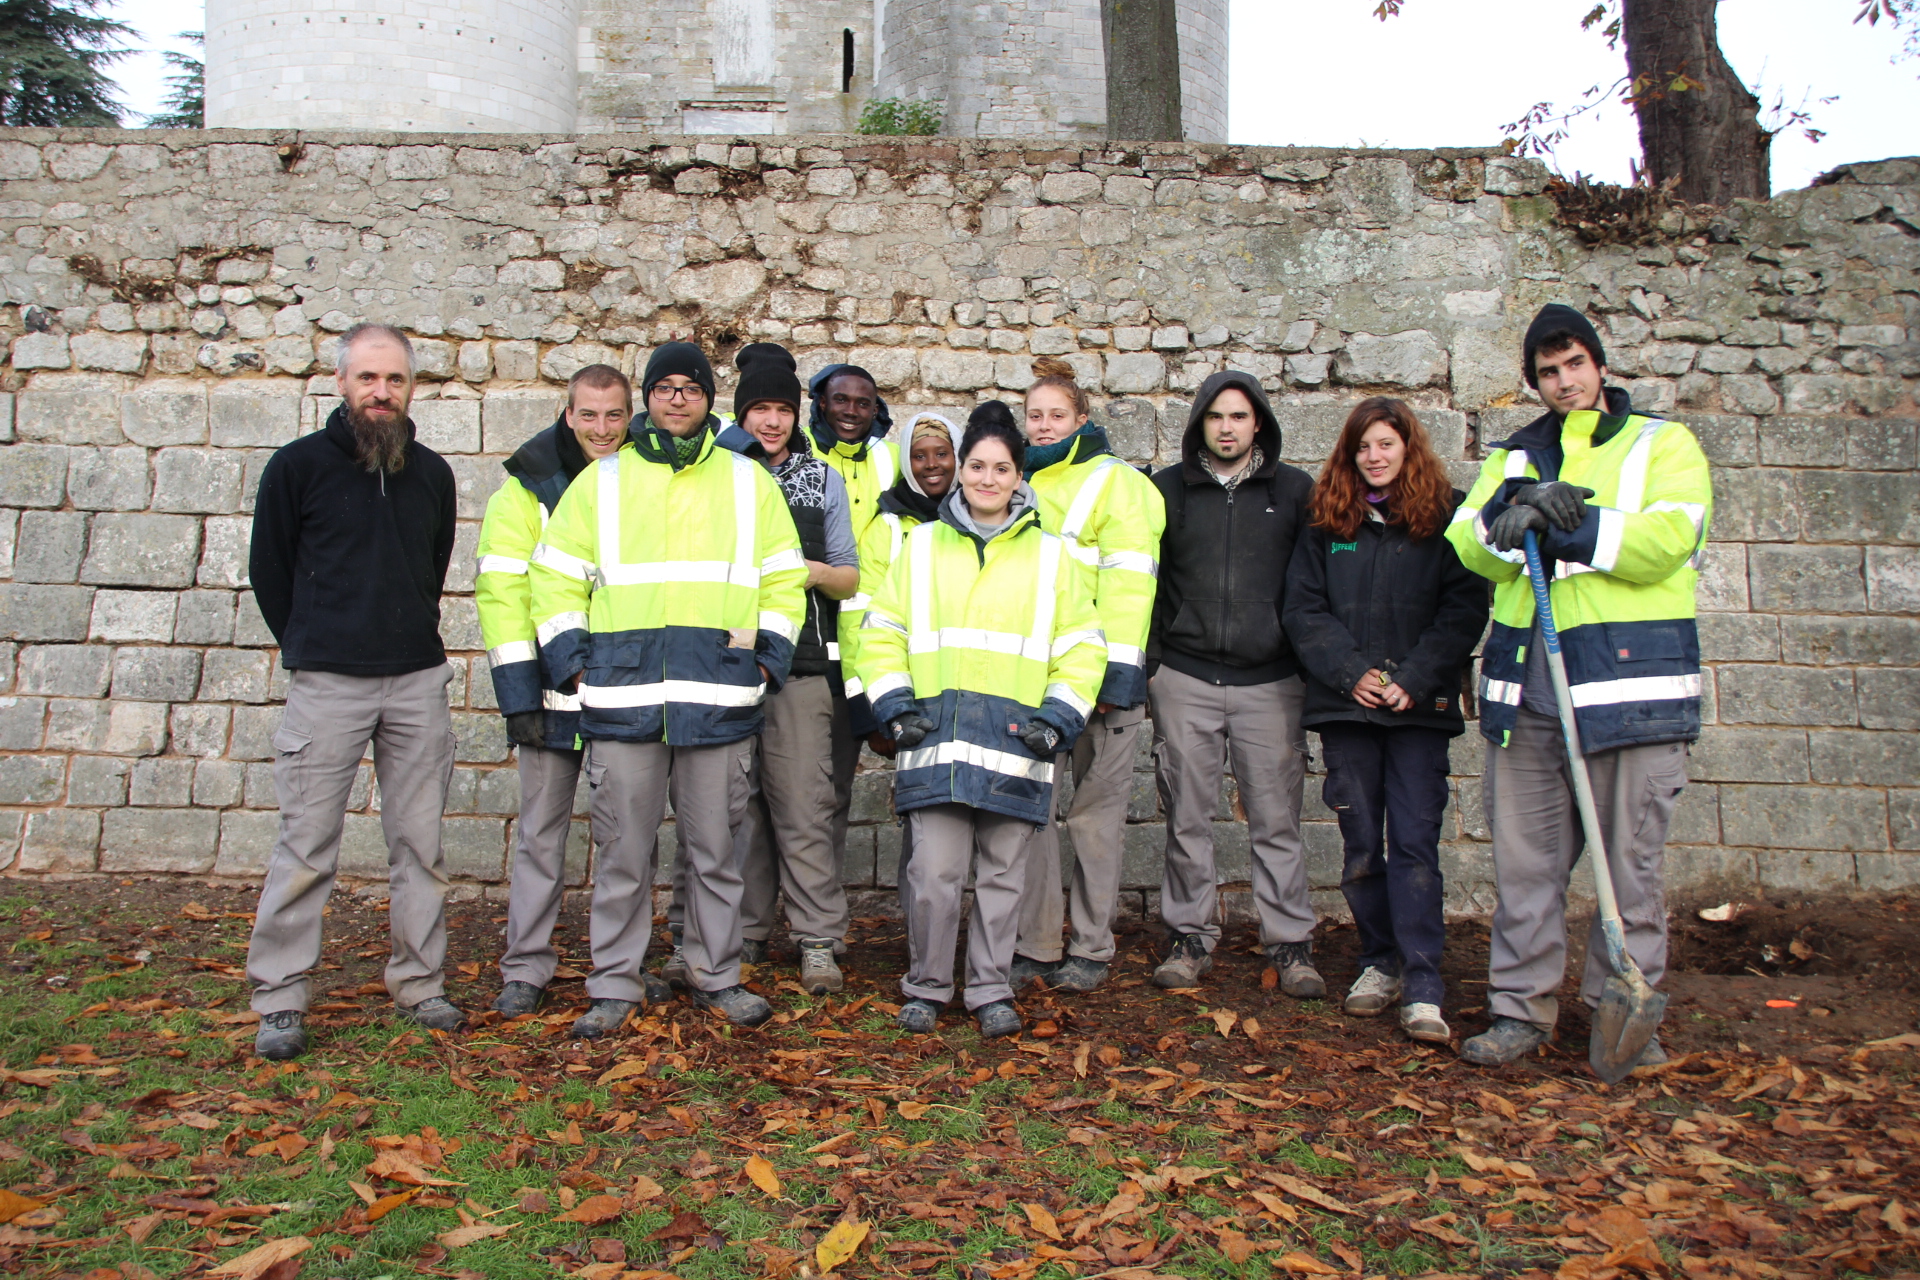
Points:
(1385, 618)
(982, 654)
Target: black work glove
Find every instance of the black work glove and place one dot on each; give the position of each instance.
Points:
(527, 728)
(1564, 504)
(1041, 739)
(1509, 529)
(909, 729)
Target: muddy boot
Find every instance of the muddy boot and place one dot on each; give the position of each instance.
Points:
(1026, 970)
(1507, 1040)
(737, 1004)
(918, 1016)
(603, 1018)
(998, 1019)
(282, 1035)
(1076, 973)
(1187, 961)
(1293, 961)
(517, 999)
(436, 1013)
(753, 951)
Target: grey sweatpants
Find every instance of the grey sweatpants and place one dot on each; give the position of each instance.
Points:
(329, 721)
(1536, 841)
(788, 838)
(1102, 763)
(539, 874)
(947, 840)
(631, 782)
(1195, 727)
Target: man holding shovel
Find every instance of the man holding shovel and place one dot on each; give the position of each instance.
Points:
(1618, 504)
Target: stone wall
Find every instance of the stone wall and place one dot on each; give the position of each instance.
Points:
(171, 302)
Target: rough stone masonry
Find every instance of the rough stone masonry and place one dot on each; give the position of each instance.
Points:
(172, 299)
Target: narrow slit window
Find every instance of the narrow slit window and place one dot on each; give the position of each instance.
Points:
(846, 60)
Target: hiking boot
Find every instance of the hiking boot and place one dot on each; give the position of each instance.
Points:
(655, 988)
(1507, 1040)
(1294, 963)
(1371, 992)
(998, 1019)
(737, 1004)
(918, 1016)
(1422, 1022)
(282, 1034)
(435, 1013)
(518, 999)
(1026, 970)
(818, 972)
(675, 972)
(753, 951)
(603, 1018)
(1077, 973)
(1187, 959)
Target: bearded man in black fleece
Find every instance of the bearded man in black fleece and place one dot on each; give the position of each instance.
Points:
(352, 532)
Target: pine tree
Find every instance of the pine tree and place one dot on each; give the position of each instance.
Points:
(52, 60)
(185, 106)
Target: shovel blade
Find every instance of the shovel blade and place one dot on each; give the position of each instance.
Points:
(1629, 1014)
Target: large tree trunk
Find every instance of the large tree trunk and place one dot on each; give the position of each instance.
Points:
(1142, 40)
(1708, 134)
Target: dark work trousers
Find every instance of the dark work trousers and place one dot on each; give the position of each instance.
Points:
(1394, 778)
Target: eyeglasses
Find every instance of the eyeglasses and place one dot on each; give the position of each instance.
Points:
(676, 393)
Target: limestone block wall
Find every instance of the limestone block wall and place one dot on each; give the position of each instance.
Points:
(171, 306)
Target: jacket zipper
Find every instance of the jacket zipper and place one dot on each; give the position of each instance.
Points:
(1226, 593)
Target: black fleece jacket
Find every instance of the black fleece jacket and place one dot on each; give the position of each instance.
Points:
(347, 564)
(1224, 555)
(1383, 600)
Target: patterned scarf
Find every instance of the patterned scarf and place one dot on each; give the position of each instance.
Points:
(1255, 460)
(802, 479)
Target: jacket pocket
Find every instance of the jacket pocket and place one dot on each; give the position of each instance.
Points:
(292, 768)
(1253, 632)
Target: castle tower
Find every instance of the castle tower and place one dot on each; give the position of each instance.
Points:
(441, 66)
(1036, 68)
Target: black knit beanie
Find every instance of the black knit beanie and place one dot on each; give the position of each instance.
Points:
(1556, 318)
(682, 358)
(767, 373)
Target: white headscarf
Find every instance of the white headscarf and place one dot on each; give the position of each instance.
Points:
(934, 423)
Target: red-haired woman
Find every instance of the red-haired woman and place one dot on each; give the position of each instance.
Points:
(1384, 617)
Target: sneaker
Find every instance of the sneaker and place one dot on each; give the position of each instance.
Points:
(752, 951)
(1026, 970)
(1371, 992)
(436, 1013)
(1422, 1021)
(998, 1019)
(518, 999)
(282, 1034)
(603, 1018)
(1294, 962)
(1507, 1040)
(818, 972)
(1077, 973)
(675, 972)
(1187, 959)
(918, 1016)
(740, 1006)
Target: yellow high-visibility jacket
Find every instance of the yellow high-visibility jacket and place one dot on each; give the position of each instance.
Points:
(984, 639)
(869, 467)
(879, 548)
(1111, 518)
(1622, 583)
(664, 590)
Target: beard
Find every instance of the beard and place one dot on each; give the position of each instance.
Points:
(380, 443)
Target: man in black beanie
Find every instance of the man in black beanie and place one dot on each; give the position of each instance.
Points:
(787, 840)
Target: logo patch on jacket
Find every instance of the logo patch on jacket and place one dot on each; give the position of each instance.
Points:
(1338, 547)
(1626, 655)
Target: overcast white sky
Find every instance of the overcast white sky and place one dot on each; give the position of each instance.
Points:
(1452, 72)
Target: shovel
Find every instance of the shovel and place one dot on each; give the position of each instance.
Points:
(1630, 1009)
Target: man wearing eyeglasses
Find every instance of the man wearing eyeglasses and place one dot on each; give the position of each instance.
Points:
(668, 590)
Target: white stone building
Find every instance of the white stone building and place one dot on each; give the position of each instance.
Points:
(1012, 68)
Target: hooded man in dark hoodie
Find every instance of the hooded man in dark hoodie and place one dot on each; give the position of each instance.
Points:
(1619, 504)
(1224, 679)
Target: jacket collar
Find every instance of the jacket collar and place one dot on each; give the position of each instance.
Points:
(655, 444)
(552, 452)
(1544, 431)
(1084, 445)
(1024, 510)
(903, 500)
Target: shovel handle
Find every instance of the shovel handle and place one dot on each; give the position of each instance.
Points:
(1617, 958)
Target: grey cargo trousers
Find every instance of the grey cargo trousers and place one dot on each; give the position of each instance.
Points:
(538, 880)
(1536, 842)
(949, 840)
(328, 722)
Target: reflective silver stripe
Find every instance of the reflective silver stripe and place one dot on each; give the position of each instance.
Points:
(780, 561)
(1609, 693)
(856, 602)
(1063, 691)
(874, 619)
(659, 571)
(512, 651)
(1135, 561)
(1564, 569)
(551, 557)
(854, 687)
(1516, 463)
(1632, 489)
(1462, 515)
(1043, 597)
(1011, 643)
(502, 564)
(554, 700)
(887, 684)
(1606, 546)
(780, 625)
(1506, 692)
(744, 570)
(1068, 642)
(982, 757)
(889, 468)
(607, 499)
(1126, 655)
(1089, 556)
(559, 624)
(1088, 498)
(694, 692)
(833, 651)
(746, 515)
(1515, 556)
